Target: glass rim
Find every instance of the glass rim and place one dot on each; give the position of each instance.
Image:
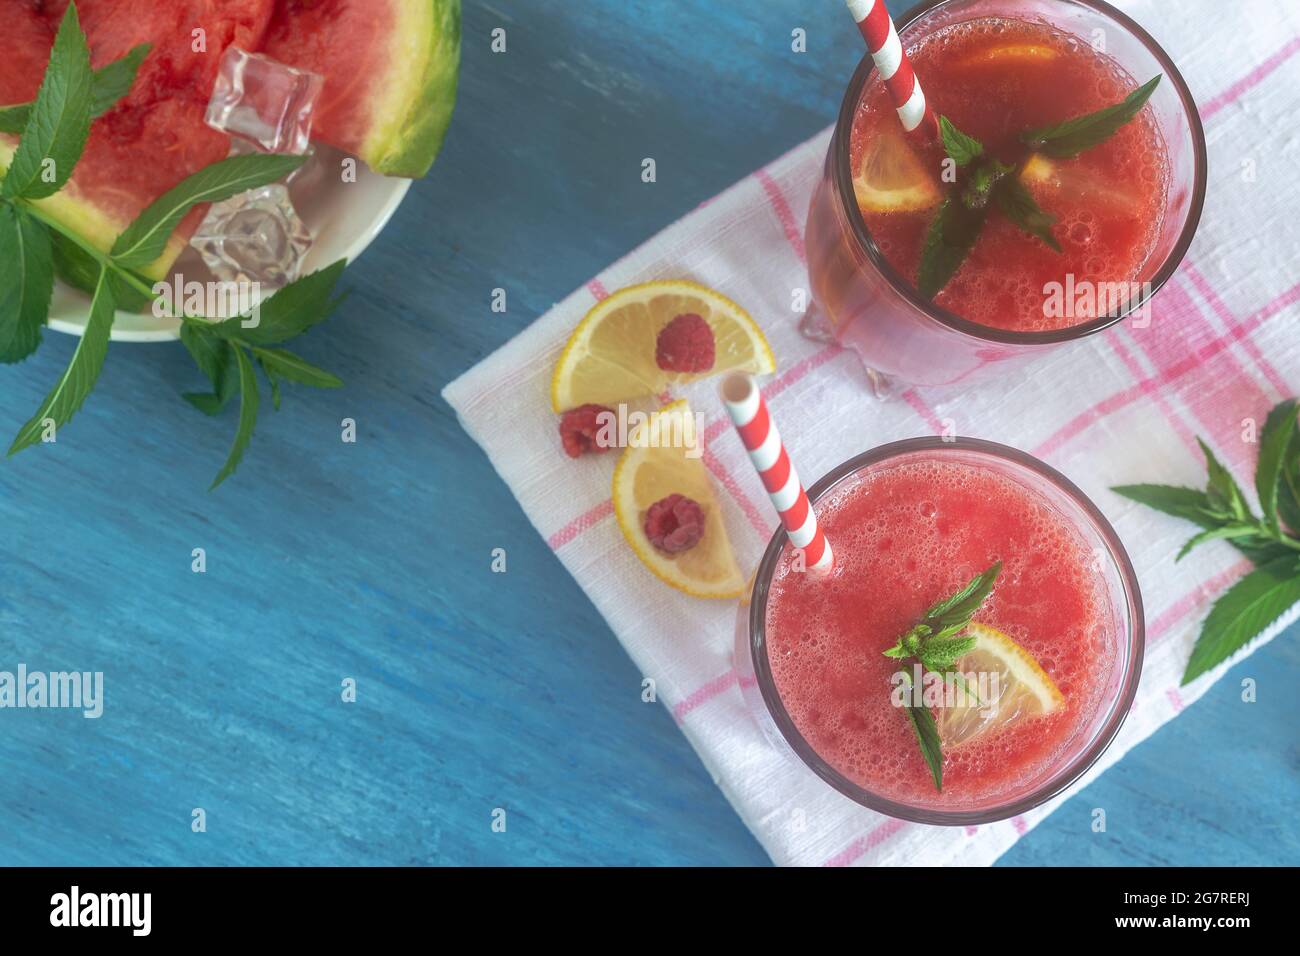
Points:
(1057, 782)
(866, 244)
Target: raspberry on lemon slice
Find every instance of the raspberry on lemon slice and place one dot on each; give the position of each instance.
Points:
(665, 506)
(891, 177)
(646, 338)
(1023, 687)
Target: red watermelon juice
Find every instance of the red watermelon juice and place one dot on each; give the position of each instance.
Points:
(1121, 208)
(910, 524)
(994, 79)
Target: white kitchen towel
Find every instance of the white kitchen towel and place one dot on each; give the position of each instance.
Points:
(1116, 408)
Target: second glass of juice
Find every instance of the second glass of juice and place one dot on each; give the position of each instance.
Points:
(911, 523)
(1125, 210)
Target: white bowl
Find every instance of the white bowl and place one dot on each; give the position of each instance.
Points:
(344, 217)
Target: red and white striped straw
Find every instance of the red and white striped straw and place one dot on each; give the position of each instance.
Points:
(758, 434)
(892, 64)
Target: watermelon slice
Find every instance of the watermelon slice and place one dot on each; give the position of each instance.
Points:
(390, 70)
(156, 135)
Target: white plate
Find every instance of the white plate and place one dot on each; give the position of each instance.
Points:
(345, 218)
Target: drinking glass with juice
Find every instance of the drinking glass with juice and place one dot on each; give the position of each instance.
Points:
(1057, 643)
(1124, 211)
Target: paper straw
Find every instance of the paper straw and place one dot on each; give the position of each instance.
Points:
(892, 64)
(758, 434)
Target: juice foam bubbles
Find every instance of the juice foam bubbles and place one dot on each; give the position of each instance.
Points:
(907, 535)
(1108, 203)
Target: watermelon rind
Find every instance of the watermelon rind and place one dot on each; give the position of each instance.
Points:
(412, 116)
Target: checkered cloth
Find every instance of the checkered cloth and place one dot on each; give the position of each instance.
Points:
(1120, 407)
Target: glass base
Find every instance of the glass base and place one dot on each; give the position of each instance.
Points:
(816, 326)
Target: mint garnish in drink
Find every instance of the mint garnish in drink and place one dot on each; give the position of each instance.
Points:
(961, 216)
(34, 247)
(936, 642)
(1271, 542)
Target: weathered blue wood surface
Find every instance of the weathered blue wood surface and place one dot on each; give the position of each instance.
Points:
(328, 560)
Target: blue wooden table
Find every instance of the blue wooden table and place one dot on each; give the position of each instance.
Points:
(371, 561)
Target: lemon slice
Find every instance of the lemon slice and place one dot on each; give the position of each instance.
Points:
(610, 357)
(891, 177)
(1040, 170)
(1019, 53)
(645, 475)
(1022, 688)
(1072, 179)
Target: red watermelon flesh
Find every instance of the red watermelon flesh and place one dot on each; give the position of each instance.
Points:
(390, 69)
(156, 135)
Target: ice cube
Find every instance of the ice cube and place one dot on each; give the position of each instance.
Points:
(264, 101)
(256, 236)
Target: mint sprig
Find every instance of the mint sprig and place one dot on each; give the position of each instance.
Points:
(26, 282)
(1269, 541)
(953, 232)
(1071, 137)
(59, 124)
(35, 245)
(936, 643)
(108, 84)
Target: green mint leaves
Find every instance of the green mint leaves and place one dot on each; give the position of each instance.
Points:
(1270, 541)
(59, 123)
(1018, 205)
(1073, 136)
(948, 242)
(108, 85)
(936, 642)
(70, 391)
(957, 225)
(962, 148)
(26, 282)
(35, 246)
(146, 238)
(927, 736)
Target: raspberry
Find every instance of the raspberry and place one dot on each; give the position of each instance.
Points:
(685, 345)
(579, 428)
(674, 524)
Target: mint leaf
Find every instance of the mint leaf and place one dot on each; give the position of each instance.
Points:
(1073, 136)
(274, 381)
(927, 737)
(1288, 495)
(108, 84)
(82, 372)
(951, 237)
(1243, 612)
(1017, 204)
(1215, 534)
(26, 281)
(79, 269)
(56, 131)
(1274, 449)
(1194, 505)
(1222, 490)
(941, 653)
(1191, 504)
(982, 180)
(248, 401)
(206, 402)
(146, 238)
(283, 364)
(962, 148)
(960, 607)
(114, 80)
(290, 312)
